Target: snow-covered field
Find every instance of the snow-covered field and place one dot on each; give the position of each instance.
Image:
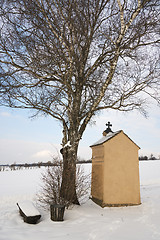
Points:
(88, 221)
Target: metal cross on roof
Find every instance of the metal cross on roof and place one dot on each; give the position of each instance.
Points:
(108, 124)
(108, 128)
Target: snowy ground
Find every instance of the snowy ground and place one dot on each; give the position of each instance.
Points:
(87, 222)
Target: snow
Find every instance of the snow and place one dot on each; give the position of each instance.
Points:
(88, 221)
(68, 144)
(28, 208)
(109, 136)
(105, 138)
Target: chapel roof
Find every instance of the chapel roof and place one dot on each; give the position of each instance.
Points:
(108, 137)
(105, 138)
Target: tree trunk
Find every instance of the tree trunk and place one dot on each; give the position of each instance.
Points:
(68, 186)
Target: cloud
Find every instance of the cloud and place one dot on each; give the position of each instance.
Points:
(42, 154)
(19, 151)
(5, 114)
(84, 152)
(145, 132)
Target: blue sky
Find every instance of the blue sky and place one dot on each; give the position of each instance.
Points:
(32, 140)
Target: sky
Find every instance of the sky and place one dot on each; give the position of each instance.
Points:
(26, 140)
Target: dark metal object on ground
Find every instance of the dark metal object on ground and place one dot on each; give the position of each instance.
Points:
(57, 212)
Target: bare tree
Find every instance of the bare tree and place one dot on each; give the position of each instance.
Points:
(50, 191)
(70, 59)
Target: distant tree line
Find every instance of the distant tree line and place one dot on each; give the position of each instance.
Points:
(151, 157)
(18, 166)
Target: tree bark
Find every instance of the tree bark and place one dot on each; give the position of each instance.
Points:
(68, 186)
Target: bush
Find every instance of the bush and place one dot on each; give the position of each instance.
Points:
(50, 192)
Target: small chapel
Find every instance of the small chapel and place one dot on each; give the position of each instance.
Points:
(115, 170)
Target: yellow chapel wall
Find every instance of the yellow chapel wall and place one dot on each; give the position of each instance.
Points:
(97, 172)
(121, 171)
